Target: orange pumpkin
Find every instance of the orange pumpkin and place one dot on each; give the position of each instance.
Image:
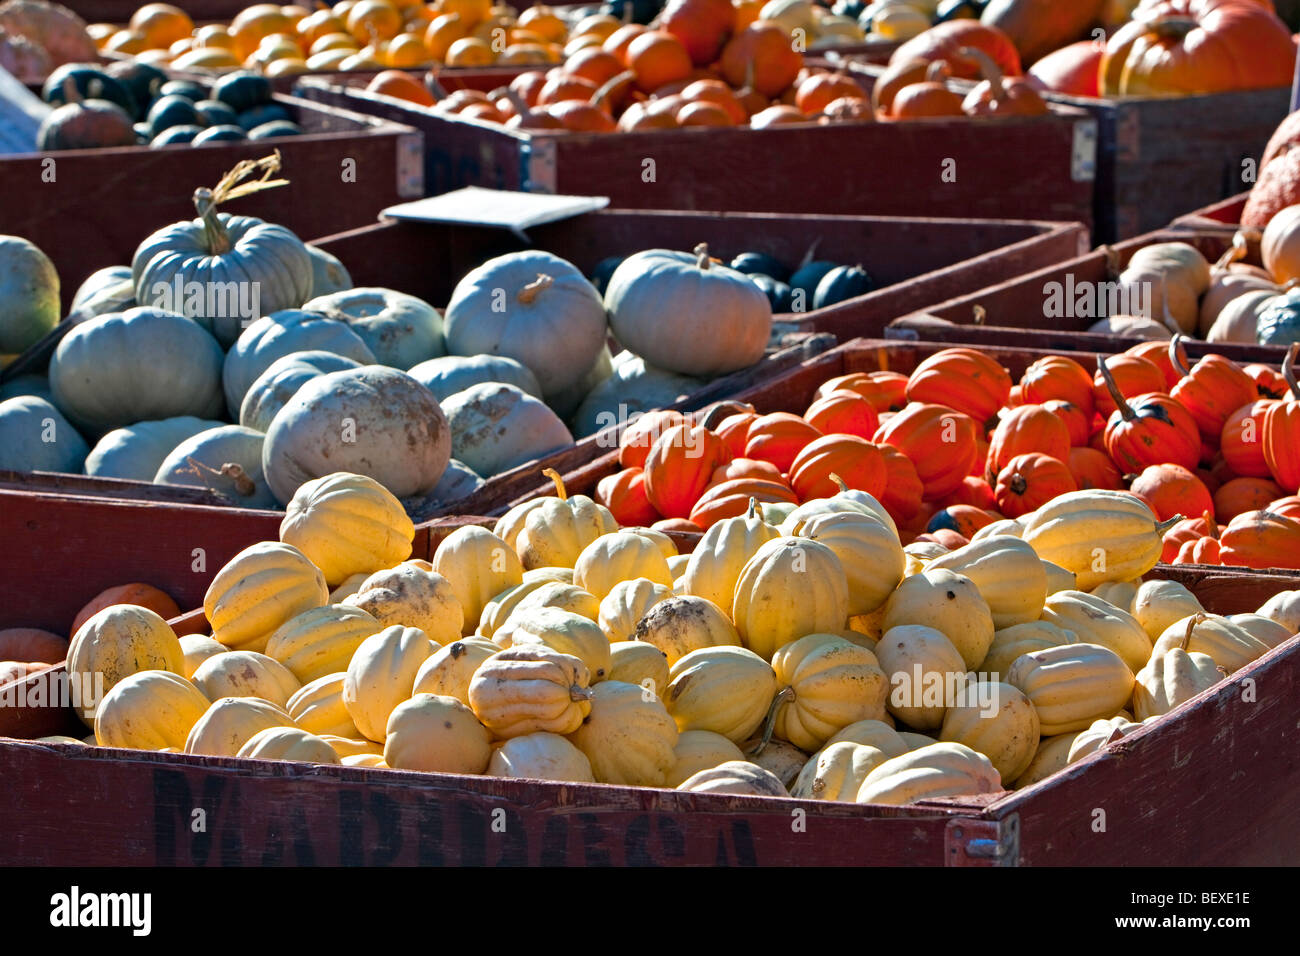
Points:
(579, 117)
(1242, 440)
(1077, 425)
(963, 519)
(734, 432)
(1071, 70)
(1261, 539)
(747, 468)
(1030, 481)
(761, 57)
(1056, 377)
(945, 41)
(1150, 429)
(817, 91)
(853, 460)
(141, 595)
(974, 491)
(1022, 431)
(1212, 390)
(998, 94)
(778, 438)
(657, 57)
(886, 391)
(1172, 490)
(926, 99)
(1282, 430)
(730, 499)
(1288, 507)
(400, 86)
(1240, 495)
(718, 94)
(595, 65)
(702, 26)
(678, 526)
(634, 444)
(1094, 469)
(1268, 382)
(945, 538)
(903, 490)
(680, 466)
(1133, 376)
(896, 76)
(1200, 551)
(964, 379)
(1189, 529)
(623, 493)
(1157, 353)
(843, 413)
(618, 42)
(31, 644)
(942, 442)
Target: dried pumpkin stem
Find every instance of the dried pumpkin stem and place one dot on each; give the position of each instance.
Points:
(1177, 356)
(979, 314)
(1235, 252)
(1211, 524)
(579, 693)
(1163, 526)
(785, 695)
(233, 185)
(531, 291)
(1111, 386)
(702, 252)
(1192, 623)
(839, 482)
(554, 475)
(244, 485)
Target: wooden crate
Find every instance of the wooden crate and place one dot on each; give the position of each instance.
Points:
(1034, 167)
(1217, 781)
(1225, 212)
(90, 208)
(1012, 312)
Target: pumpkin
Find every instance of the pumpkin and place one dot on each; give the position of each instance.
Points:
(999, 95)
(642, 432)
(843, 413)
(526, 690)
(1097, 535)
(30, 644)
(1151, 429)
(1029, 481)
(778, 438)
(887, 391)
(260, 589)
(496, 427)
(148, 710)
(1261, 539)
(623, 494)
(436, 735)
(836, 461)
(1240, 495)
(761, 57)
(1094, 469)
(1133, 374)
(226, 460)
(941, 443)
(922, 666)
(317, 707)
(1242, 440)
(1028, 429)
(541, 756)
(320, 641)
(1072, 685)
(723, 689)
(1008, 574)
(903, 489)
(381, 675)
(120, 640)
(1230, 646)
(1170, 490)
(449, 374)
(929, 97)
(961, 378)
(401, 330)
(556, 531)
(410, 596)
(1281, 425)
(1212, 390)
(944, 41)
(792, 586)
(654, 299)
(141, 595)
(679, 466)
(273, 388)
(30, 290)
(948, 602)
(936, 770)
(561, 630)
(1180, 47)
(553, 322)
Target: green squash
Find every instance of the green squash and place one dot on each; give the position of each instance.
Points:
(840, 284)
(142, 80)
(533, 307)
(778, 293)
(604, 269)
(449, 374)
(260, 115)
(176, 135)
(220, 134)
(37, 385)
(134, 452)
(209, 460)
(90, 124)
(34, 436)
(29, 295)
(186, 88)
(328, 274)
(280, 382)
(1279, 324)
(760, 263)
(496, 427)
(242, 90)
(687, 314)
(279, 334)
(275, 129)
(169, 111)
(78, 82)
(806, 278)
(138, 365)
(401, 330)
(215, 113)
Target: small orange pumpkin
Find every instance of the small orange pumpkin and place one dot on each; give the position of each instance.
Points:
(734, 432)
(1282, 430)
(730, 499)
(778, 438)
(1288, 507)
(942, 442)
(1189, 529)
(141, 595)
(1030, 481)
(973, 491)
(1200, 551)
(634, 444)
(886, 391)
(964, 379)
(31, 645)
(1093, 469)
(1149, 429)
(761, 57)
(1242, 440)
(623, 493)
(1157, 353)
(1212, 390)
(843, 413)
(1240, 495)
(1025, 430)
(747, 468)
(1077, 425)
(853, 460)
(816, 91)
(680, 466)
(903, 490)
(1057, 377)
(1133, 376)
(1172, 490)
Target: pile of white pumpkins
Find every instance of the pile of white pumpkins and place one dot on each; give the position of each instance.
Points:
(159, 382)
(767, 662)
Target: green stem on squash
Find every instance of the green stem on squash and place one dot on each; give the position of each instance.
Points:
(1111, 386)
(785, 695)
(1177, 356)
(555, 476)
(529, 293)
(1163, 526)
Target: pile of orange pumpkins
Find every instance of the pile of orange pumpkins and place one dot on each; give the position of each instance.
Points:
(1213, 449)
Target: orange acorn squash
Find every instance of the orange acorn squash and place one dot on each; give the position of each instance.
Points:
(1026, 430)
(1157, 353)
(855, 461)
(747, 468)
(1189, 529)
(963, 379)
(1028, 482)
(1200, 551)
(843, 413)
(778, 438)
(1077, 425)
(942, 443)
(680, 466)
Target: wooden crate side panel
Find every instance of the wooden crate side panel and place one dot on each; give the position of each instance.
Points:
(72, 804)
(1226, 212)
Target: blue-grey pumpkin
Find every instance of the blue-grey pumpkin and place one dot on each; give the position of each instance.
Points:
(135, 452)
(328, 274)
(1279, 324)
(225, 460)
(29, 384)
(496, 427)
(401, 330)
(449, 374)
(281, 381)
(635, 386)
(34, 436)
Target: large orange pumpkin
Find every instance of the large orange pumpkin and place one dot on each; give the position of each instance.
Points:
(1094, 469)
(634, 444)
(941, 441)
(1022, 431)
(761, 57)
(1072, 70)
(1287, 507)
(964, 379)
(843, 413)
(1242, 440)
(141, 595)
(1030, 481)
(903, 490)
(778, 438)
(1172, 490)
(1268, 382)
(1058, 377)
(1133, 376)
(1212, 390)
(886, 391)
(680, 466)
(1282, 430)
(853, 460)
(730, 499)
(1240, 495)
(702, 26)
(1261, 539)
(623, 493)
(944, 41)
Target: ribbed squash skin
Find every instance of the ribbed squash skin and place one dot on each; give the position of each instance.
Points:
(347, 524)
(936, 770)
(833, 684)
(230, 722)
(1053, 754)
(722, 553)
(1098, 734)
(410, 596)
(1228, 645)
(869, 551)
(1283, 607)
(836, 772)
(1072, 685)
(528, 690)
(479, 566)
(197, 648)
(1009, 643)
(736, 777)
(448, 671)
(318, 707)
(1158, 604)
(628, 736)
(555, 531)
(873, 733)
(289, 743)
(790, 587)
(723, 689)
(497, 611)
(1215, 388)
(561, 631)
(964, 379)
(382, 674)
(1025, 430)
(1008, 737)
(149, 710)
(684, 623)
(941, 442)
(1268, 632)
(260, 589)
(698, 750)
(1008, 573)
(635, 662)
(1096, 621)
(321, 641)
(541, 757)
(621, 556)
(246, 674)
(626, 604)
(553, 595)
(436, 735)
(1097, 535)
(948, 602)
(901, 651)
(1172, 678)
(119, 641)
(352, 747)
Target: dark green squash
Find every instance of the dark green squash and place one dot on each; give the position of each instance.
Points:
(841, 283)
(777, 292)
(220, 134)
(643, 11)
(266, 113)
(141, 79)
(216, 113)
(604, 269)
(85, 81)
(169, 111)
(759, 263)
(242, 90)
(807, 276)
(186, 88)
(274, 129)
(143, 133)
(176, 134)
(849, 8)
(1279, 324)
(90, 124)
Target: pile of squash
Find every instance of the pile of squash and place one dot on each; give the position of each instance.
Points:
(812, 656)
(957, 446)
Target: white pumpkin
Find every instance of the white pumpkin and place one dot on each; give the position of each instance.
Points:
(635, 386)
(281, 381)
(134, 452)
(449, 374)
(496, 427)
(26, 422)
(226, 460)
(400, 329)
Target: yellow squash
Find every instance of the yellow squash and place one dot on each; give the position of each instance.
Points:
(149, 710)
(318, 707)
(1053, 754)
(555, 532)
(119, 641)
(626, 604)
(1158, 604)
(620, 556)
(1008, 574)
(722, 553)
(1098, 535)
(288, 743)
(321, 641)
(1072, 685)
(628, 736)
(873, 733)
(436, 735)
(790, 587)
(698, 750)
(347, 524)
(923, 669)
(260, 589)
(411, 597)
(197, 648)
(837, 772)
(869, 551)
(1096, 621)
(997, 720)
(230, 722)
(448, 671)
(948, 602)
(827, 684)
(1172, 677)
(635, 662)
(685, 623)
(735, 778)
(1099, 733)
(382, 675)
(479, 566)
(936, 770)
(724, 689)
(541, 757)
(528, 690)
(1010, 643)
(246, 674)
(1230, 646)
(561, 631)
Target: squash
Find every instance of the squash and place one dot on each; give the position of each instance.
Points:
(226, 460)
(724, 689)
(347, 524)
(628, 736)
(999, 95)
(449, 374)
(556, 531)
(479, 566)
(411, 597)
(1009, 643)
(1072, 685)
(1230, 646)
(792, 586)
(1242, 440)
(1150, 429)
(1096, 621)
(148, 710)
(553, 322)
(197, 648)
(401, 330)
(963, 379)
(561, 631)
(497, 611)
(945, 39)
(372, 420)
(942, 444)
(617, 557)
(679, 466)
(1261, 539)
(496, 427)
(730, 498)
(923, 668)
(1096, 535)
(825, 683)
(549, 594)
(1008, 574)
(115, 643)
(258, 590)
(1212, 390)
(288, 743)
(1053, 754)
(626, 604)
(134, 452)
(735, 777)
(26, 422)
(30, 291)
(436, 735)
(141, 595)
(868, 551)
(935, 770)
(948, 602)
(1280, 427)
(633, 386)
(836, 772)
(230, 722)
(381, 675)
(843, 413)
(1119, 594)
(317, 707)
(698, 750)
(1037, 27)
(684, 623)
(32, 645)
(1099, 734)
(1284, 608)
(997, 720)
(873, 733)
(1267, 631)
(636, 662)
(87, 124)
(541, 756)
(137, 365)
(246, 674)
(1172, 678)
(321, 641)
(527, 690)
(448, 671)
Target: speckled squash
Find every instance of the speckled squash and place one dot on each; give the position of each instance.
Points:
(628, 736)
(827, 683)
(684, 623)
(230, 722)
(246, 674)
(115, 643)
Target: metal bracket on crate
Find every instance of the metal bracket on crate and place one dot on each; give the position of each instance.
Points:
(972, 842)
(1083, 153)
